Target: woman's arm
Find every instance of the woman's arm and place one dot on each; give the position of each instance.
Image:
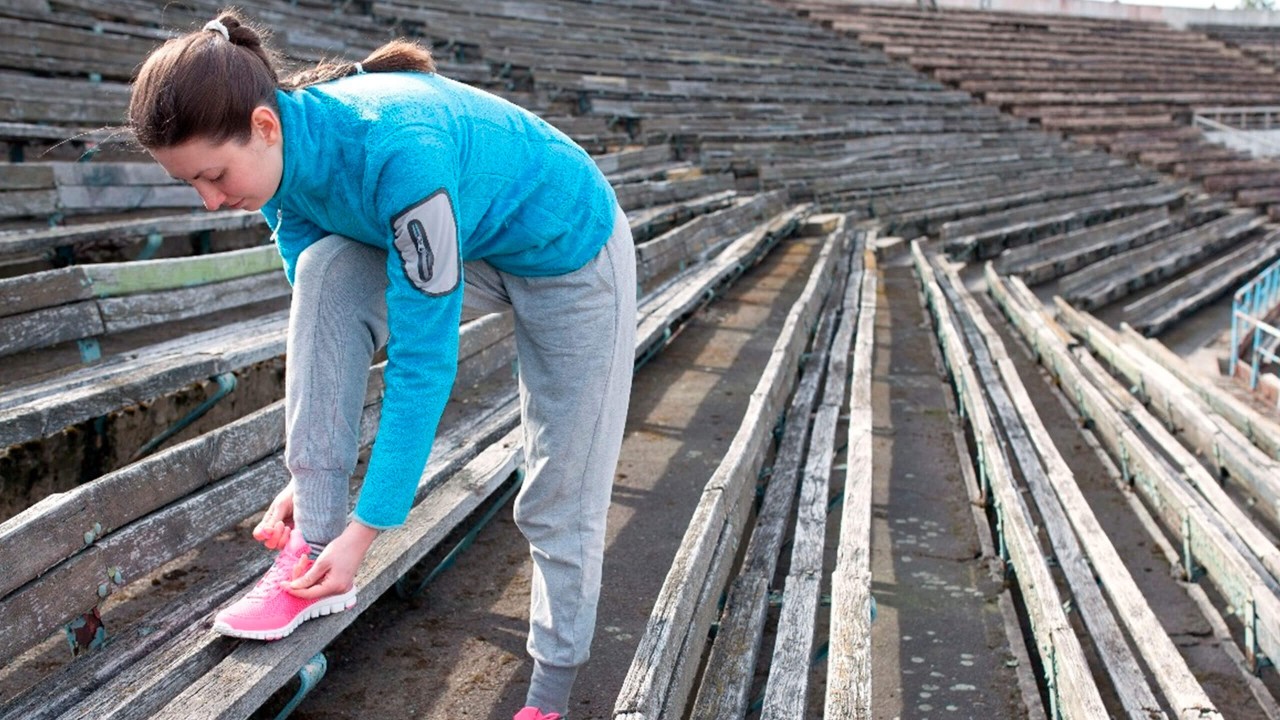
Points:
(416, 199)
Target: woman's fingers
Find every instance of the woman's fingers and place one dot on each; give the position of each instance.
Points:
(319, 580)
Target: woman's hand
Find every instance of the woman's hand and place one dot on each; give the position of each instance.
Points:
(334, 572)
(273, 529)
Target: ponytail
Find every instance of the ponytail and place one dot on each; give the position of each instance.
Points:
(395, 56)
(207, 83)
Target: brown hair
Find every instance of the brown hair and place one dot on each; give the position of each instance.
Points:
(202, 85)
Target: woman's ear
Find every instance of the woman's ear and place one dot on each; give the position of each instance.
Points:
(266, 124)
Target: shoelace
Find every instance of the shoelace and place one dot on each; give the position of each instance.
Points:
(282, 570)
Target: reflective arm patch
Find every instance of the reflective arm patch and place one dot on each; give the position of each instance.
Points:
(427, 239)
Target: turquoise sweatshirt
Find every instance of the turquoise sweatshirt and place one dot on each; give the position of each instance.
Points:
(437, 173)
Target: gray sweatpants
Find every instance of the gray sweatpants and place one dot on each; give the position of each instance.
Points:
(575, 341)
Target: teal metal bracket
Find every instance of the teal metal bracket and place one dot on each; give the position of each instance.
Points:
(90, 350)
(405, 586)
(226, 384)
(1188, 560)
(85, 633)
(309, 675)
(655, 348)
(152, 247)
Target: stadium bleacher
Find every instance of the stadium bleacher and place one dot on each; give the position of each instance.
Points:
(1058, 148)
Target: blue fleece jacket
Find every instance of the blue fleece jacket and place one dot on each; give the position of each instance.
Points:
(437, 173)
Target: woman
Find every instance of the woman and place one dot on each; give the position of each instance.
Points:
(396, 197)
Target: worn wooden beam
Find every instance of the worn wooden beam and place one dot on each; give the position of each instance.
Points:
(1223, 448)
(849, 678)
(727, 679)
(1074, 692)
(127, 278)
(1072, 527)
(787, 686)
(647, 689)
(243, 680)
(1243, 587)
(1261, 430)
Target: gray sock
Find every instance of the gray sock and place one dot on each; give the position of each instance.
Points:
(550, 687)
(316, 548)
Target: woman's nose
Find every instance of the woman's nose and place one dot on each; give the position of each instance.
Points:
(211, 197)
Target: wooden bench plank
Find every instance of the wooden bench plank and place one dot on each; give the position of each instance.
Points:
(41, 290)
(1072, 527)
(1259, 429)
(1179, 298)
(243, 680)
(1180, 513)
(1076, 694)
(647, 690)
(848, 693)
(1223, 449)
(21, 241)
(787, 687)
(164, 673)
(134, 311)
(49, 326)
(730, 666)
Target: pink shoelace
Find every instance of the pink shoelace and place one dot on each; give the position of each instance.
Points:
(285, 569)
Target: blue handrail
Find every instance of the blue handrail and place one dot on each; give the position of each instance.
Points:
(1250, 307)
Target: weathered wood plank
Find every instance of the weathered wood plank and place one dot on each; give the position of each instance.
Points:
(786, 695)
(49, 326)
(45, 407)
(1259, 429)
(20, 241)
(31, 613)
(646, 689)
(1072, 527)
(152, 308)
(161, 675)
(1178, 298)
(21, 176)
(44, 289)
(689, 293)
(1155, 480)
(27, 203)
(787, 687)
(1222, 448)
(1076, 694)
(57, 526)
(95, 198)
(849, 677)
(125, 278)
(122, 649)
(730, 666)
(243, 680)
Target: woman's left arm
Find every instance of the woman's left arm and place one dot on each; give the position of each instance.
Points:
(416, 199)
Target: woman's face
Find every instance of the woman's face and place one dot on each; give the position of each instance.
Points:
(242, 176)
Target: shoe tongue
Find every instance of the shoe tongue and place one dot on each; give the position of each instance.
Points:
(297, 544)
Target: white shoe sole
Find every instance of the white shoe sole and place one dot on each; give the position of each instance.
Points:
(327, 606)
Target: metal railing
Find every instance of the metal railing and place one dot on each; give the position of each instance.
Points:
(1250, 307)
(1248, 117)
(1244, 136)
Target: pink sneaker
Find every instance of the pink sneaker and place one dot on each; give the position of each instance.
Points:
(533, 713)
(268, 611)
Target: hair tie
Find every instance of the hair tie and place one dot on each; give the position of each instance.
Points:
(217, 26)
(359, 69)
